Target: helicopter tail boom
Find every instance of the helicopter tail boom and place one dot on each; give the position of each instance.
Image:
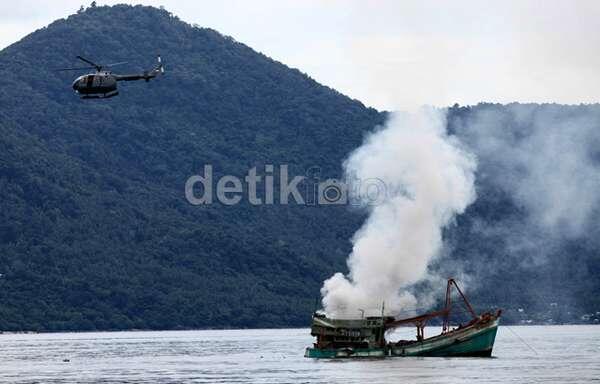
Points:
(146, 75)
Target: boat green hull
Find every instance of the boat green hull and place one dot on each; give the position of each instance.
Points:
(476, 341)
(470, 342)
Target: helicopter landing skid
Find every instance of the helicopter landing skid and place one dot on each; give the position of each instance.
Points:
(101, 95)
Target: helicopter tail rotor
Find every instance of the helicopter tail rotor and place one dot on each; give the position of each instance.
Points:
(160, 67)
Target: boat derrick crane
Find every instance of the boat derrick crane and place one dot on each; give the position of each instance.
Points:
(421, 321)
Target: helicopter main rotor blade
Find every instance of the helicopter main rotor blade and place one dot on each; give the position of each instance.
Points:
(73, 69)
(89, 62)
(115, 64)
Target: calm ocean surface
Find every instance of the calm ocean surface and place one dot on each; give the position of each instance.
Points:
(565, 354)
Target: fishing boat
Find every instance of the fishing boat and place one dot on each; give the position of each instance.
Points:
(365, 337)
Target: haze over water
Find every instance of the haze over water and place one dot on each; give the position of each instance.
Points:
(564, 354)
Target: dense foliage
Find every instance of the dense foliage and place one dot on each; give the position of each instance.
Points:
(95, 230)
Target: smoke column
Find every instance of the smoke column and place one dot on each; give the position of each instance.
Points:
(429, 178)
(546, 158)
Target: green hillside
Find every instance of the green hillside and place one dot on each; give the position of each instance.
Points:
(95, 230)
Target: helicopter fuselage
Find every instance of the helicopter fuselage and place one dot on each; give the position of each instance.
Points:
(95, 83)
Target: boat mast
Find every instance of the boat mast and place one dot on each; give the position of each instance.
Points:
(448, 308)
(382, 331)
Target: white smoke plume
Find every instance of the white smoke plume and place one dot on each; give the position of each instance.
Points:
(429, 179)
(545, 157)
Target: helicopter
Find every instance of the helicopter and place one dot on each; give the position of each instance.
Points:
(103, 84)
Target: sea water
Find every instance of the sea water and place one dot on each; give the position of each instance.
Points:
(522, 354)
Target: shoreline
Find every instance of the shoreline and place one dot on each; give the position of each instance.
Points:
(253, 329)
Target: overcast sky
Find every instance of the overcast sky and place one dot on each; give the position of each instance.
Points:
(398, 54)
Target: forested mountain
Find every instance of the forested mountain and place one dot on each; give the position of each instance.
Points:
(95, 228)
(96, 231)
